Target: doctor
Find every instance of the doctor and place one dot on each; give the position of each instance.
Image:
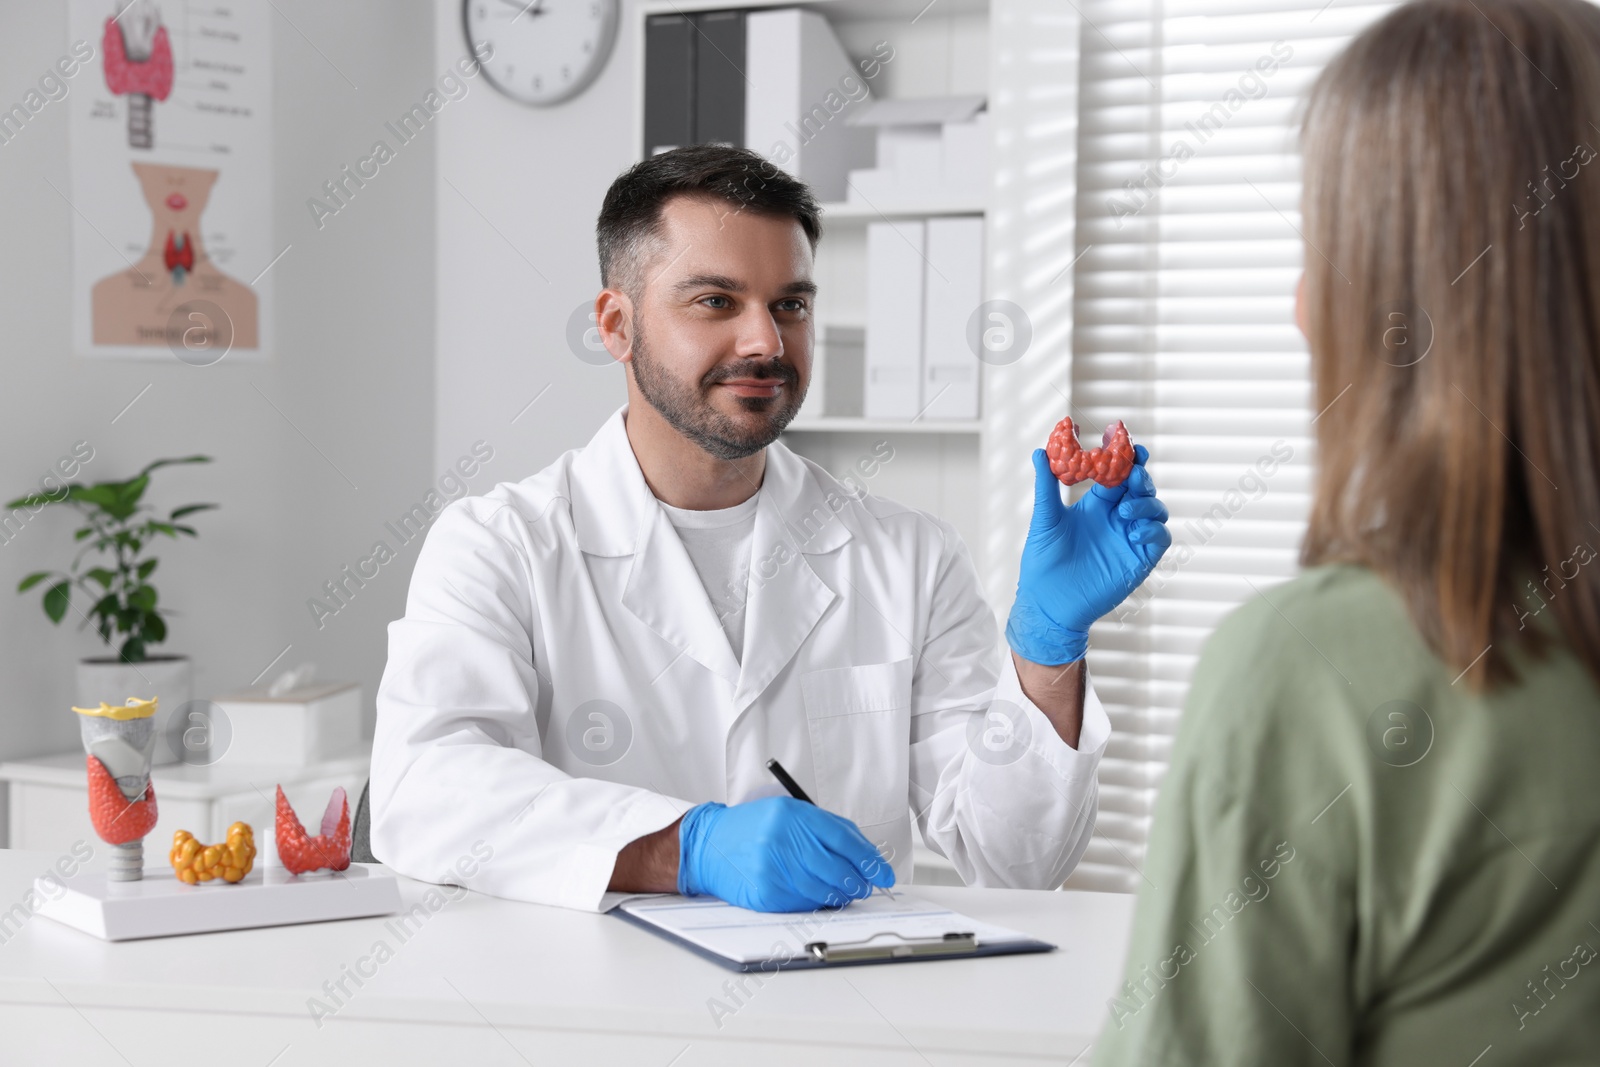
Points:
(596, 662)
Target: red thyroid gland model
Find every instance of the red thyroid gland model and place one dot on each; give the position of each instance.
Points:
(138, 64)
(1109, 464)
(331, 849)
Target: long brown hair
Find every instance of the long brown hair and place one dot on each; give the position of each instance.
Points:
(1451, 205)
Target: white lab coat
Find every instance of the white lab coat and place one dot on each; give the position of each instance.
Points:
(560, 686)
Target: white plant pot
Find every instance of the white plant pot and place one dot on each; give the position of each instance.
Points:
(107, 680)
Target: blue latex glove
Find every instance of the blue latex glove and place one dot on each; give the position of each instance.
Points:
(1079, 562)
(776, 854)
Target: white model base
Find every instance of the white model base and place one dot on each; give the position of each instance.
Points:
(159, 905)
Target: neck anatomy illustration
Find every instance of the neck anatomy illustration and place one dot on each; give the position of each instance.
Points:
(156, 299)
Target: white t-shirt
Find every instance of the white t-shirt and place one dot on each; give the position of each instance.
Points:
(719, 543)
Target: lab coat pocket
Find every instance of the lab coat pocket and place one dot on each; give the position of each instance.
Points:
(860, 724)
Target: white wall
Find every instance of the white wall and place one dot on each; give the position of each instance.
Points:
(352, 373)
(518, 191)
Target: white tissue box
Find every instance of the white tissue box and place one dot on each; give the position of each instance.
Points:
(302, 726)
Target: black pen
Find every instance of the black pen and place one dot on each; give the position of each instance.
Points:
(788, 783)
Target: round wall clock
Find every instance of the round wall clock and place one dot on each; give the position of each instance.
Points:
(543, 51)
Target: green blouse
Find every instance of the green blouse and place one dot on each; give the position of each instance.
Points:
(1357, 860)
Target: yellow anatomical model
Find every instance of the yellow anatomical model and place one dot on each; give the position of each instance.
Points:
(230, 861)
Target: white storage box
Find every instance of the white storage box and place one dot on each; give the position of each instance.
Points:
(305, 725)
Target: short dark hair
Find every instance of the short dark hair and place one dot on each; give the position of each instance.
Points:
(630, 217)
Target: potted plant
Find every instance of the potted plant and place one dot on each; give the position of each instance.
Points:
(121, 600)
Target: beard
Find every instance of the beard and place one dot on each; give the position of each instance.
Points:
(688, 408)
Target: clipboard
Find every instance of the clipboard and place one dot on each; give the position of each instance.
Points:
(894, 928)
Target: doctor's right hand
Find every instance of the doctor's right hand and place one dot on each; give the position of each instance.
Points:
(1080, 562)
(776, 854)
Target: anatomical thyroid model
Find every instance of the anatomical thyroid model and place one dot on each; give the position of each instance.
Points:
(329, 850)
(120, 740)
(1072, 463)
(138, 63)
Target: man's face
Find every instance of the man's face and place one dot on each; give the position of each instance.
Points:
(722, 332)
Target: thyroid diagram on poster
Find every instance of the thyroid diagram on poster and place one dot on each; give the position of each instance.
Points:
(171, 134)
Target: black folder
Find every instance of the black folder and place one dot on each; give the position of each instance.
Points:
(694, 80)
(719, 78)
(668, 83)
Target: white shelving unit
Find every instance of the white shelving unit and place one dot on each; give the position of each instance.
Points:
(845, 211)
(939, 49)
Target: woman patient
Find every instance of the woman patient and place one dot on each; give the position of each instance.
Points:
(1379, 839)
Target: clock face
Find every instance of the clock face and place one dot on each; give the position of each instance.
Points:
(543, 51)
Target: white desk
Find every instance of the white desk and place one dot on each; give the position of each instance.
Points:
(488, 981)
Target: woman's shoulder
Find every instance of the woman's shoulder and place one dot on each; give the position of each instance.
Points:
(1337, 607)
(1292, 668)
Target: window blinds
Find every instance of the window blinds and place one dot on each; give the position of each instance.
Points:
(1187, 233)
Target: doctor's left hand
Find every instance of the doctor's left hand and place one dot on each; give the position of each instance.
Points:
(1079, 562)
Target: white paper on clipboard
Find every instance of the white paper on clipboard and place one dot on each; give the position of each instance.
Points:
(746, 937)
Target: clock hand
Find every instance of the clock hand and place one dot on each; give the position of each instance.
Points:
(534, 8)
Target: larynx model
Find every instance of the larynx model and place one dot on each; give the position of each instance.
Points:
(122, 802)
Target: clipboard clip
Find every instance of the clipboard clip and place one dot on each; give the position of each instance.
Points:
(951, 944)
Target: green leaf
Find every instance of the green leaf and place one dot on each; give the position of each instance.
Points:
(56, 599)
(32, 580)
(161, 527)
(103, 576)
(190, 530)
(146, 567)
(129, 492)
(143, 598)
(155, 629)
(105, 630)
(36, 500)
(132, 651)
(104, 607)
(189, 509)
(81, 534)
(104, 494)
(170, 462)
